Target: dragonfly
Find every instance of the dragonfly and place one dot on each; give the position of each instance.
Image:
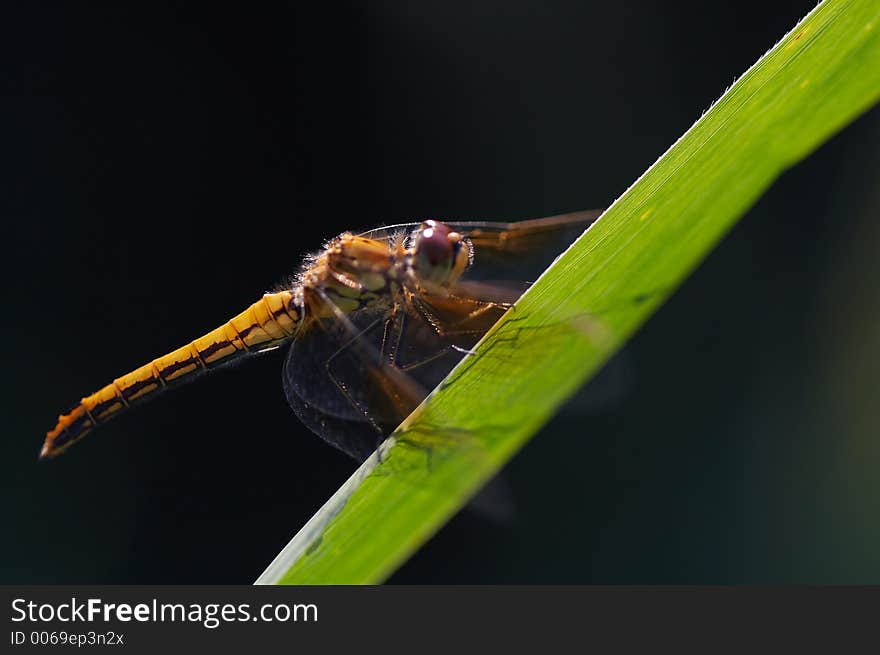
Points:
(372, 322)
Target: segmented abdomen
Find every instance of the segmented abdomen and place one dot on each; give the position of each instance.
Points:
(269, 322)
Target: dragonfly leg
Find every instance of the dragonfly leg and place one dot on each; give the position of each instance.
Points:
(427, 360)
(400, 391)
(388, 332)
(340, 384)
(343, 389)
(455, 328)
(484, 306)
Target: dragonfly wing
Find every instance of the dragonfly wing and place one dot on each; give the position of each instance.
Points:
(521, 251)
(328, 372)
(348, 379)
(510, 251)
(522, 236)
(352, 381)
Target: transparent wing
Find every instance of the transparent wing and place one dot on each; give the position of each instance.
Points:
(515, 252)
(353, 380)
(338, 384)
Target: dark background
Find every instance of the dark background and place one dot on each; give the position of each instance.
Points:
(162, 166)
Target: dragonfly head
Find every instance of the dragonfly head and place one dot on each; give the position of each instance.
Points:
(440, 255)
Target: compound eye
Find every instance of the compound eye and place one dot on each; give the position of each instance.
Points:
(434, 243)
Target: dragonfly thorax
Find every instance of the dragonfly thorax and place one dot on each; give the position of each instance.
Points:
(352, 272)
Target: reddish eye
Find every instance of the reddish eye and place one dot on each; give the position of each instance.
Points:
(434, 244)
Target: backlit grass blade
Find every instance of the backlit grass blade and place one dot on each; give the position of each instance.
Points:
(820, 76)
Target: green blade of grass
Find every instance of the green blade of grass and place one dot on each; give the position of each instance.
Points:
(816, 79)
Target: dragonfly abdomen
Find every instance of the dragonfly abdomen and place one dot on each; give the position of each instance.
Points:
(266, 324)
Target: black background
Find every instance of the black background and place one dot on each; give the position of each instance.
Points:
(162, 166)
